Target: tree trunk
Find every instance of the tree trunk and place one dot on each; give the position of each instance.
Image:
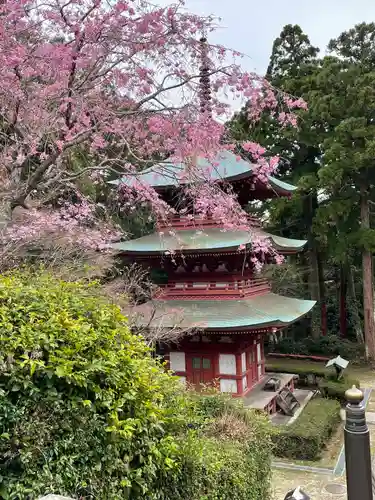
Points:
(342, 301)
(354, 306)
(314, 276)
(314, 293)
(306, 320)
(322, 295)
(368, 294)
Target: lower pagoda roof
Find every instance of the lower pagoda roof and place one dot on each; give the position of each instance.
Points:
(263, 311)
(208, 240)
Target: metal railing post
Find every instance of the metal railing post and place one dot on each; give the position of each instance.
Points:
(357, 448)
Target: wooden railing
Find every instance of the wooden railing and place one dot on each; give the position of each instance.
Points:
(186, 222)
(207, 289)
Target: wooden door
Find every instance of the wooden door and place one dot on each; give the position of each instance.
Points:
(202, 370)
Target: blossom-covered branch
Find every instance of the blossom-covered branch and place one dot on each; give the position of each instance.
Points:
(113, 76)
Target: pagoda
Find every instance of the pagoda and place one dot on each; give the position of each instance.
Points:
(213, 294)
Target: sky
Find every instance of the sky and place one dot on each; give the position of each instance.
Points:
(250, 26)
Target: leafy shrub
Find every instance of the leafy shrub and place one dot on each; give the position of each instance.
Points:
(232, 460)
(306, 437)
(335, 389)
(85, 410)
(330, 346)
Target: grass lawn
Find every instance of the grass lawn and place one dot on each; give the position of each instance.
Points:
(364, 374)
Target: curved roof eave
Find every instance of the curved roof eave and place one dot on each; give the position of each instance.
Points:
(260, 311)
(208, 240)
(227, 167)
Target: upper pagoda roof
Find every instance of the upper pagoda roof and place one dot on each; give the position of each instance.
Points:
(228, 167)
(262, 311)
(210, 239)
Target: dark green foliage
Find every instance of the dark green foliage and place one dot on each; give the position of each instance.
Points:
(290, 53)
(85, 411)
(330, 157)
(329, 346)
(356, 45)
(293, 60)
(306, 438)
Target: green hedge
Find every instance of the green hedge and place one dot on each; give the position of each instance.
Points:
(335, 389)
(306, 438)
(86, 412)
(330, 345)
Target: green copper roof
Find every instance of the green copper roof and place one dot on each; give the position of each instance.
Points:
(229, 167)
(210, 239)
(258, 312)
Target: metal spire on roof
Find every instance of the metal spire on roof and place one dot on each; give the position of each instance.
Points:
(204, 80)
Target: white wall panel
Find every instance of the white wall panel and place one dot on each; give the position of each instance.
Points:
(243, 362)
(227, 364)
(177, 361)
(228, 385)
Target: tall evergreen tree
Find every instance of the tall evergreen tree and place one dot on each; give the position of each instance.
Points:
(356, 45)
(292, 60)
(346, 96)
(290, 53)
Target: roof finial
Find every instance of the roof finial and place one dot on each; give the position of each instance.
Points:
(204, 80)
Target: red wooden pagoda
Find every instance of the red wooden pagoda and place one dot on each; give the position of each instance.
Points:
(213, 293)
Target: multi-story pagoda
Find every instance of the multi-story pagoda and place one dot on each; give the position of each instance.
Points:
(213, 292)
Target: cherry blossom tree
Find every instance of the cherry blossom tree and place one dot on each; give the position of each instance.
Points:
(106, 75)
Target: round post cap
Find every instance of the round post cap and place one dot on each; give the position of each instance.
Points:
(354, 395)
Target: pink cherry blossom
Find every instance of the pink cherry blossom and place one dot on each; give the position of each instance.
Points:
(86, 74)
(74, 223)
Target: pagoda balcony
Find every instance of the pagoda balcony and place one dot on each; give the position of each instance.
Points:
(213, 289)
(190, 222)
